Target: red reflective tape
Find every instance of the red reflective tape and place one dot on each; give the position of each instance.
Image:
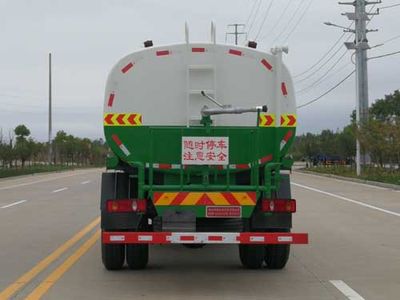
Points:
(292, 120)
(120, 119)
(162, 52)
(127, 68)
(266, 64)
(215, 238)
(108, 119)
(288, 135)
(204, 200)
(111, 99)
(164, 166)
(116, 139)
(131, 119)
(253, 196)
(187, 238)
(194, 49)
(179, 198)
(231, 200)
(284, 89)
(242, 166)
(266, 158)
(235, 52)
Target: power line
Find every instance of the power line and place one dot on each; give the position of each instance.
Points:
(254, 17)
(332, 47)
(328, 91)
(289, 22)
(278, 20)
(323, 56)
(251, 12)
(326, 73)
(264, 19)
(323, 65)
(389, 6)
(298, 21)
(391, 39)
(384, 55)
(317, 83)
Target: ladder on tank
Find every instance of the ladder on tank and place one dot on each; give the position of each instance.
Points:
(199, 78)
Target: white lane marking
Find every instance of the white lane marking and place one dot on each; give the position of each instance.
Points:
(60, 190)
(350, 182)
(14, 203)
(348, 199)
(346, 290)
(85, 182)
(39, 181)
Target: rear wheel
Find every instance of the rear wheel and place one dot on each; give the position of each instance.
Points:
(113, 256)
(276, 256)
(137, 256)
(252, 256)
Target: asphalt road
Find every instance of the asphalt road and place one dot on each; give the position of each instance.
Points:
(50, 247)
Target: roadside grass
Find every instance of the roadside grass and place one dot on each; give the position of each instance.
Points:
(369, 173)
(11, 172)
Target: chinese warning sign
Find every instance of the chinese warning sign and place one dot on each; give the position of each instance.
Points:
(205, 150)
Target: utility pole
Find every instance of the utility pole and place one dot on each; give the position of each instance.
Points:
(50, 154)
(360, 45)
(236, 31)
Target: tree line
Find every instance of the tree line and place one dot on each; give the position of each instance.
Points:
(19, 149)
(379, 136)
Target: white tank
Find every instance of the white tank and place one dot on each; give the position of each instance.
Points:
(164, 84)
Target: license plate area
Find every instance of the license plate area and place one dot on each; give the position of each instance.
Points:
(223, 211)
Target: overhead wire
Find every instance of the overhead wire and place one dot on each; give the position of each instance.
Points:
(295, 12)
(251, 11)
(384, 55)
(254, 17)
(272, 28)
(327, 92)
(264, 19)
(389, 6)
(298, 21)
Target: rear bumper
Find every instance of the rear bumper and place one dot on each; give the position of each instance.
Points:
(204, 238)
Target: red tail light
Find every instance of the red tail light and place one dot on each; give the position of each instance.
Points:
(279, 205)
(126, 205)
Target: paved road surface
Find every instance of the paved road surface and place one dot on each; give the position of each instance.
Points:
(354, 250)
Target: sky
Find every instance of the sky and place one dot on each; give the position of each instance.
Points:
(87, 37)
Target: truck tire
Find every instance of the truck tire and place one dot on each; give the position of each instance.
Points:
(137, 256)
(276, 256)
(113, 256)
(252, 256)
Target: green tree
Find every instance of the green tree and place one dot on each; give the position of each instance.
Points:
(23, 147)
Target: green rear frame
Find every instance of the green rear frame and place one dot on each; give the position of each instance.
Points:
(162, 144)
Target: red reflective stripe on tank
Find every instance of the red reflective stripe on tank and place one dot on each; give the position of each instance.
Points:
(162, 52)
(266, 158)
(266, 64)
(195, 49)
(116, 139)
(235, 52)
(127, 68)
(111, 99)
(284, 89)
(288, 135)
